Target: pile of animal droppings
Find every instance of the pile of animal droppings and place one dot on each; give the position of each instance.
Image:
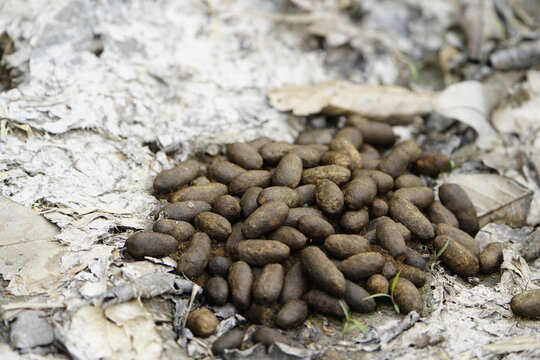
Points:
(283, 229)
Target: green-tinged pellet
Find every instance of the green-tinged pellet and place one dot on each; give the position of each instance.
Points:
(335, 173)
(202, 322)
(329, 197)
(208, 193)
(407, 297)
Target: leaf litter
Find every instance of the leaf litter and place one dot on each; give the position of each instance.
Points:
(87, 164)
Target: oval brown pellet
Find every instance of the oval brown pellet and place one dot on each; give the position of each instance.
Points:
(378, 208)
(342, 246)
(306, 194)
(370, 164)
(202, 322)
(236, 236)
(295, 284)
(216, 290)
(390, 239)
(354, 221)
(409, 215)
(232, 339)
(201, 180)
(224, 171)
(228, 207)
(460, 236)
(259, 314)
(407, 297)
(388, 270)
(297, 213)
(345, 146)
(458, 202)
(249, 179)
(288, 172)
(337, 158)
(310, 155)
(413, 258)
(180, 230)
(208, 193)
(325, 304)
(268, 217)
(328, 197)
(257, 143)
(244, 155)
(352, 134)
(322, 271)
(279, 193)
(456, 256)
(362, 266)
(195, 258)
(335, 173)
(438, 213)
(408, 180)
(240, 283)
(526, 304)
(383, 181)
(398, 159)
(261, 252)
(491, 257)
(248, 202)
(315, 227)
(151, 244)
(291, 237)
(219, 266)
(213, 225)
(267, 336)
(322, 136)
(375, 133)
(175, 178)
(268, 285)
(292, 314)
(432, 164)
(421, 197)
(273, 152)
(414, 275)
(359, 192)
(184, 210)
(355, 297)
(369, 153)
(378, 284)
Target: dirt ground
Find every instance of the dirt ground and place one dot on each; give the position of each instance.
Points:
(96, 98)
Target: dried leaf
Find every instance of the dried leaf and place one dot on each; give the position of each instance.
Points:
(340, 97)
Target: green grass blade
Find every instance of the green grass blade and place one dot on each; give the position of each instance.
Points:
(376, 296)
(442, 250)
(394, 283)
(360, 325)
(396, 307)
(345, 311)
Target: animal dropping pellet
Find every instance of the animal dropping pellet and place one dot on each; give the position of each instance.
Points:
(281, 230)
